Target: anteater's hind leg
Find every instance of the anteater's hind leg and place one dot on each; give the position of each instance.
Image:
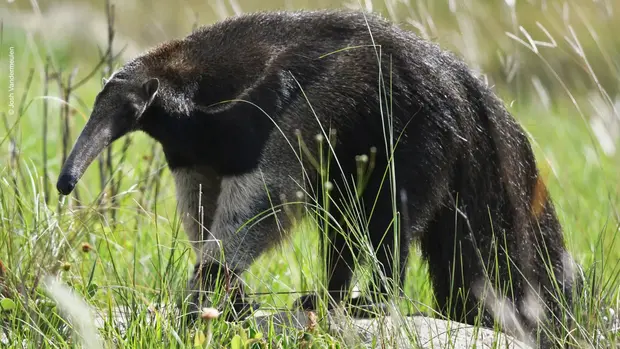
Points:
(391, 239)
(338, 258)
(453, 262)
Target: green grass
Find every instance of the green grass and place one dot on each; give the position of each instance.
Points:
(141, 257)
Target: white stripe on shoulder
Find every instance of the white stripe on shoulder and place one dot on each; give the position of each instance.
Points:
(105, 81)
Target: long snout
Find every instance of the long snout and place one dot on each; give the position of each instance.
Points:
(66, 183)
(93, 139)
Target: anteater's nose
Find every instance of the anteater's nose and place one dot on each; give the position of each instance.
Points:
(65, 184)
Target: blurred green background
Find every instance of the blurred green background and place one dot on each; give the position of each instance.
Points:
(576, 41)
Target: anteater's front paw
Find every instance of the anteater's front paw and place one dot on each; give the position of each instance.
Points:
(312, 302)
(232, 309)
(308, 302)
(360, 307)
(240, 310)
(190, 307)
(364, 307)
(203, 287)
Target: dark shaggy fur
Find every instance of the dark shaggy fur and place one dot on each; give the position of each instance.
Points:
(466, 178)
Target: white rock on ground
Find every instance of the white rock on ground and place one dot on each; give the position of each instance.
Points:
(383, 332)
(405, 332)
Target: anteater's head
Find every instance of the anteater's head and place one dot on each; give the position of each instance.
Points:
(117, 111)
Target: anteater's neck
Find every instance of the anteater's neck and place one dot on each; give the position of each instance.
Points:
(193, 129)
(229, 142)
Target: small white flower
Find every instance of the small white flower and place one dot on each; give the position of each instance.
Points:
(209, 313)
(329, 186)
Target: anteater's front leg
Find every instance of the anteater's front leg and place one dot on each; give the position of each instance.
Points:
(247, 222)
(197, 189)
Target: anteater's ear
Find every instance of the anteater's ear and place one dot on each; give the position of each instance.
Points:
(150, 89)
(104, 81)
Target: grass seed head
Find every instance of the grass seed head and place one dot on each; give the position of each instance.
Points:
(66, 266)
(86, 247)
